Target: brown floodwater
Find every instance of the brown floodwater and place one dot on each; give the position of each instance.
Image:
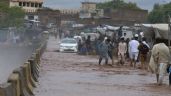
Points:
(69, 74)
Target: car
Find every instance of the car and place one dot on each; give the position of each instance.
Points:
(68, 45)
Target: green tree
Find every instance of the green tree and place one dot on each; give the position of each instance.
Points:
(15, 16)
(156, 16)
(132, 6)
(11, 17)
(117, 4)
(160, 13)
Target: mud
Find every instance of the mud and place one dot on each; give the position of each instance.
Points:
(69, 74)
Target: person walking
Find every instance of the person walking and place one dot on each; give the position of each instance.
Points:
(169, 71)
(133, 50)
(127, 52)
(122, 49)
(79, 45)
(143, 52)
(88, 43)
(110, 49)
(159, 60)
(103, 51)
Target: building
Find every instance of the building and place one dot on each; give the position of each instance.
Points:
(29, 6)
(69, 11)
(88, 10)
(89, 13)
(49, 16)
(89, 6)
(126, 16)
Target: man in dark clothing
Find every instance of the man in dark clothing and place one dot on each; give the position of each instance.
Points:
(79, 45)
(143, 52)
(169, 71)
(110, 49)
(88, 43)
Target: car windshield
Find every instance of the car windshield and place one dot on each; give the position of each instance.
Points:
(71, 41)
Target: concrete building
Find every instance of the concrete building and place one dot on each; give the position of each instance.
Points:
(29, 6)
(89, 6)
(88, 10)
(49, 16)
(118, 17)
(123, 16)
(69, 11)
(89, 13)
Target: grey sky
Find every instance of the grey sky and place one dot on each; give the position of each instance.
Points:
(73, 4)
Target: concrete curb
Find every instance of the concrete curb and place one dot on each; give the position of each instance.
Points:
(14, 80)
(6, 89)
(26, 77)
(23, 86)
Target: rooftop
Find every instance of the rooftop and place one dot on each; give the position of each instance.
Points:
(89, 3)
(39, 1)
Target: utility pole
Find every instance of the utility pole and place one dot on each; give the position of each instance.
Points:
(169, 21)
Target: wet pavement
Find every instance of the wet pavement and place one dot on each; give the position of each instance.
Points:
(12, 57)
(69, 74)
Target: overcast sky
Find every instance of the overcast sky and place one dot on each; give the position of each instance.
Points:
(74, 4)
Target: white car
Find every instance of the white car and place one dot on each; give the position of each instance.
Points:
(68, 45)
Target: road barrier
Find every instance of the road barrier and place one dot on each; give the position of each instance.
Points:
(33, 82)
(14, 80)
(23, 80)
(34, 69)
(23, 85)
(6, 89)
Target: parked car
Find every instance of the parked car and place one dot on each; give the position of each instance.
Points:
(68, 45)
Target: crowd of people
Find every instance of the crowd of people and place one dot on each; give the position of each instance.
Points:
(133, 52)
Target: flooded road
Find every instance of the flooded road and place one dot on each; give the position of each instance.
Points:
(69, 74)
(12, 57)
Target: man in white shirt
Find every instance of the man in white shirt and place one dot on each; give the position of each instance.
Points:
(133, 50)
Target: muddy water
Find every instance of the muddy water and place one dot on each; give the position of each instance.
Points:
(69, 74)
(12, 57)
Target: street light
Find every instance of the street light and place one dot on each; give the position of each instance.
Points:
(167, 12)
(169, 30)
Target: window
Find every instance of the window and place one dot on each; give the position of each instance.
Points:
(36, 5)
(40, 5)
(24, 3)
(20, 3)
(28, 4)
(32, 4)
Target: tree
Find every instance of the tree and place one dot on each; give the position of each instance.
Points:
(131, 6)
(160, 13)
(115, 4)
(156, 16)
(15, 16)
(11, 17)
